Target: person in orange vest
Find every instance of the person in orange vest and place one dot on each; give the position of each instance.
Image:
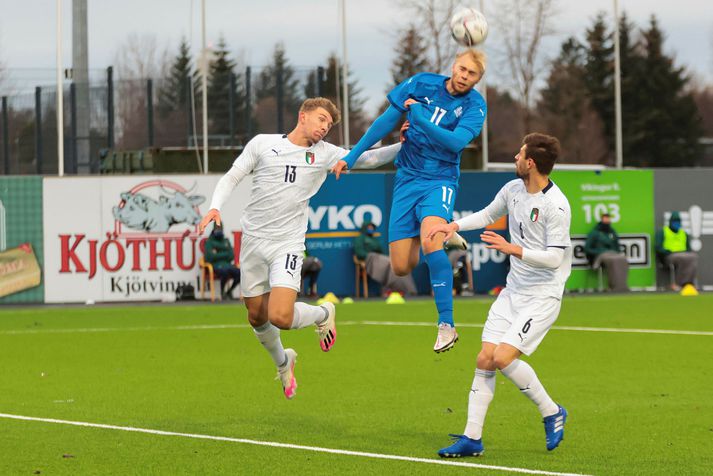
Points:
(674, 249)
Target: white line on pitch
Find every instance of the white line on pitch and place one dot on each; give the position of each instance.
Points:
(558, 328)
(317, 449)
(343, 323)
(128, 329)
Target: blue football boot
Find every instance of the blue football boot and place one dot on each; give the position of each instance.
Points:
(462, 446)
(554, 428)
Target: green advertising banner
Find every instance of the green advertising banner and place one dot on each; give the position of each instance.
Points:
(21, 247)
(628, 197)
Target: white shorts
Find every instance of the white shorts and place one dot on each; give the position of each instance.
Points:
(521, 321)
(267, 264)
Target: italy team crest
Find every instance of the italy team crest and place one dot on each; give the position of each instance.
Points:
(534, 214)
(309, 157)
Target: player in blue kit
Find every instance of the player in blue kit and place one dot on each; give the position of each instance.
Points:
(444, 115)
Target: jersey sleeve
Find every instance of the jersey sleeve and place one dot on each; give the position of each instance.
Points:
(499, 206)
(243, 165)
(557, 226)
(474, 116)
(334, 154)
(488, 215)
(248, 159)
(400, 93)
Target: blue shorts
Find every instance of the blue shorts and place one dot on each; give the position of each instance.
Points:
(416, 198)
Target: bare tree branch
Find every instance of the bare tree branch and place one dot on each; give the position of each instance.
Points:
(141, 57)
(434, 17)
(523, 24)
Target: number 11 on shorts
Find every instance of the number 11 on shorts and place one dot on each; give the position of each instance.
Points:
(447, 196)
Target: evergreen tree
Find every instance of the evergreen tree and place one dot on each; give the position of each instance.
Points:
(565, 107)
(266, 91)
(411, 55)
(221, 68)
(330, 86)
(599, 77)
(174, 91)
(670, 127)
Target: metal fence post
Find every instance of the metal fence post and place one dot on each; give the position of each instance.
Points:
(248, 103)
(110, 107)
(5, 136)
(231, 109)
(38, 129)
(320, 75)
(73, 127)
(189, 105)
(149, 109)
(280, 99)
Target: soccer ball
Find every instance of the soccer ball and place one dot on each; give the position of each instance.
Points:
(469, 27)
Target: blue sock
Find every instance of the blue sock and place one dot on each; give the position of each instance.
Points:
(442, 284)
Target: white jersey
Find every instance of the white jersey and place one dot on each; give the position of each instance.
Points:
(536, 222)
(285, 177)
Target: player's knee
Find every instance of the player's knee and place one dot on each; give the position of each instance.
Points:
(502, 359)
(255, 319)
(401, 269)
(281, 318)
(485, 361)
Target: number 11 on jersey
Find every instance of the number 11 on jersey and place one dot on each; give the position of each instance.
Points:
(438, 115)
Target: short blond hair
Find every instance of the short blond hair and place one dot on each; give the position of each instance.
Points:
(477, 56)
(311, 104)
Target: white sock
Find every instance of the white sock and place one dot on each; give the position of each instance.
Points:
(521, 374)
(269, 337)
(481, 394)
(306, 315)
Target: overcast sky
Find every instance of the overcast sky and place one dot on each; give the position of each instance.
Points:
(308, 28)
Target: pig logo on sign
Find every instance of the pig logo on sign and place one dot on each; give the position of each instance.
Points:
(141, 212)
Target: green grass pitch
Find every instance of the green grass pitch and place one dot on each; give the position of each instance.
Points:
(639, 402)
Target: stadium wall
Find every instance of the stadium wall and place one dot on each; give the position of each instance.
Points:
(85, 252)
(21, 253)
(112, 238)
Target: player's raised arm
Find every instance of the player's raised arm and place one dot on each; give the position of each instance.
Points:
(374, 158)
(381, 126)
(455, 140)
(487, 216)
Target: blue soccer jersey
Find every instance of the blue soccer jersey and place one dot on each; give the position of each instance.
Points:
(420, 155)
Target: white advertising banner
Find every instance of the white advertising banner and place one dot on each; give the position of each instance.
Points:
(130, 238)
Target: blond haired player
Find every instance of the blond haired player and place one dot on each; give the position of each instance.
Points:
(444, 115)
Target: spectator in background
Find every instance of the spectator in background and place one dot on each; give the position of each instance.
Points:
(674, 249)
(602, 249)
(219, 253)
(368, 248)
(311, 266)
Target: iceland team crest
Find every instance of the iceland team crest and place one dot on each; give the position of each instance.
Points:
(309, 157)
